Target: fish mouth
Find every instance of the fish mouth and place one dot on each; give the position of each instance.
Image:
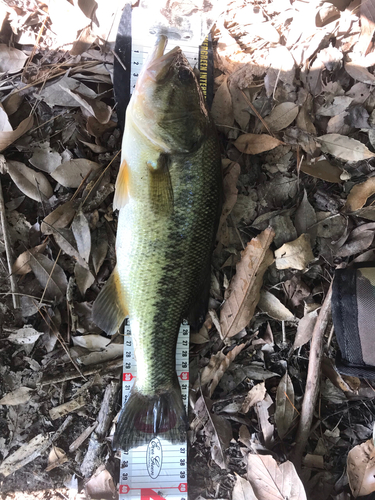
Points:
(159, 64)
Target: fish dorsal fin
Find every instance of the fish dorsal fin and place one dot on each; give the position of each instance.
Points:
(109, 309)
(122, 186)
(161, 191)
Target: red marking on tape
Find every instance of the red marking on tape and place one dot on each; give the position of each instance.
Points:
(124, 488)
(184, 376)
(127, 377)
(148, 493)
(183, 487)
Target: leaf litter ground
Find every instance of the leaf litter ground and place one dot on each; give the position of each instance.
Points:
(294, 105)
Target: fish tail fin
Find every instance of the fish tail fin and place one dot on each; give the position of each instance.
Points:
(145, 416)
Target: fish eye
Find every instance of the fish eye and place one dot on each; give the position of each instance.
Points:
(185, 75)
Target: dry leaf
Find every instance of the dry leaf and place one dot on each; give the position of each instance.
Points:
(339, 104)
(305, 216)
(57, 456)
(222, 109)
(82, 235)
(282, 116)
(213, 372)
(305, 329)
(71, 173)
(45, 158)
(18, 397)
(358, 195)
(99, 247)
(60, 217)
(91, 342)
(25, 454)
(344, 147)
(65, 239)
(296, 254)
(8, 137)
(25, 335)
(84, 278)
(284, 413)
(244, 288)
(361, 469)
(254, 396)
(101, 111)
(359, 73)
(322, 170)
(11, 60)
(49, 274)
(253, 144)
(33, 184)
(101, 485)
(243, 490)
(272, 481)
(262, 409)
(271, 305)
(21, 265)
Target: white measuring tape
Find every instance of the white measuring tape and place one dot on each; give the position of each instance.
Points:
(157, 470)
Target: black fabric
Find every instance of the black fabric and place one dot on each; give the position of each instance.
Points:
(345, 316)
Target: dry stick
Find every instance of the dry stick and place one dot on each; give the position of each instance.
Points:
(312, 381)
(8, 251)
(256, 112)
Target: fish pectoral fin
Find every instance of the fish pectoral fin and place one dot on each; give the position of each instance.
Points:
(122, 186)
(109, 309)
(161, 191)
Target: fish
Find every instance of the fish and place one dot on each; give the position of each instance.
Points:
(168, 192)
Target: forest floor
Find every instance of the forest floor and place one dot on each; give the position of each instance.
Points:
(294, 105)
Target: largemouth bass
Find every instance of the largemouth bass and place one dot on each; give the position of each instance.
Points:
(168, 193)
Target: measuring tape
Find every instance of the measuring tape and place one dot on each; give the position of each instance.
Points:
(156, 470)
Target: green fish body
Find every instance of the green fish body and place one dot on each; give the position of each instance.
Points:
(168, 194)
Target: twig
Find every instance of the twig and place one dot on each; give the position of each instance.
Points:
(113, 364)
(8, 251)
(312, 381)
(97, 440)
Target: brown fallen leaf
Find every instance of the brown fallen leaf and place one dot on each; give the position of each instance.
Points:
(344, 147)
(284, 413)
(56, 457)
(21, 265)
(11, 60)
(271, 305)
(361, 469)
(230, 197)
(270, 480)
(101, 485)
(50, 275)
(71, 173)
(213, 372)
(358, 195)
(33, 184)
(357, 71)
(305, 329)
(296, 254)
(243, 490)
(244, 288)
(60, 217)
(19, 396)
(222, 109)
(282, 116)
(322, 170)
(256, 394)
(8, 137)
(253, 144)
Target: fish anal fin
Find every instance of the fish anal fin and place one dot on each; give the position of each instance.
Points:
(109, 309)
(122, 186)
(161, 191)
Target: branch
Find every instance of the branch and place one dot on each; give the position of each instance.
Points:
(8, 251)
(312, 381)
